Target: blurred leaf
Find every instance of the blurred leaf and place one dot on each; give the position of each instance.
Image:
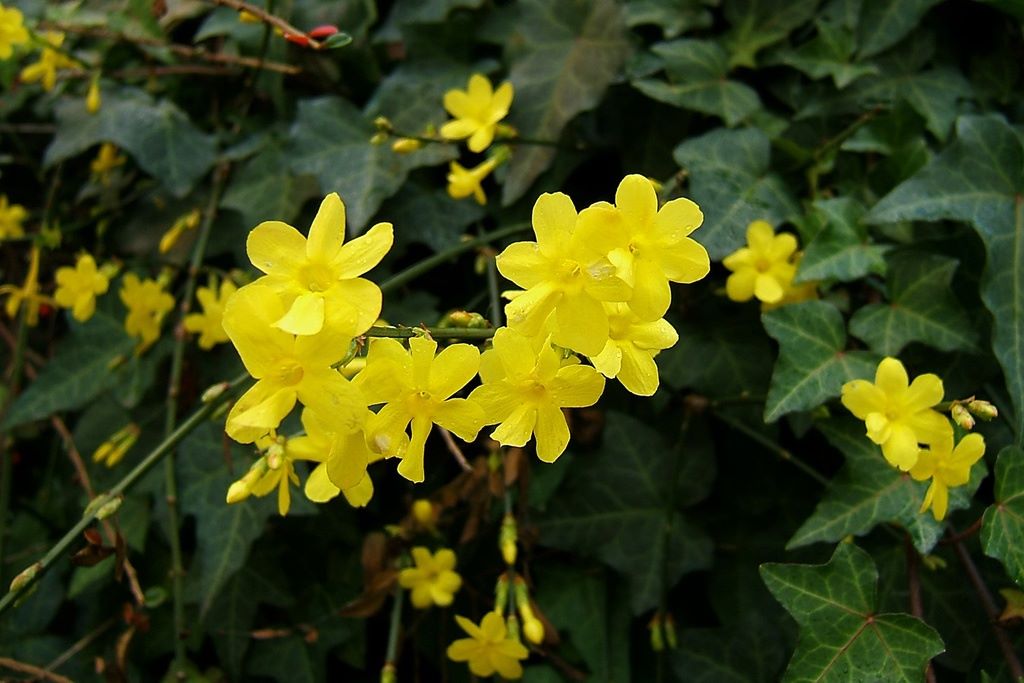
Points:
(842, 250)
(264, 188)
(842, 636)
(731, 181)
(405, 13)
(979, 179)
(751, 651)
(673, 16)
(562, 56)
(158, 135)
(429, 217)
(813, 361)
(622, 506)
(1003, 526)
(283, 659)
(922, 308)
(79, 371)
(883, 24)
(867, 492)
(756, 24)
(697, 74)
(224, 532)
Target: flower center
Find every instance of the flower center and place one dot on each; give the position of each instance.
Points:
(316, 277)
(762, 265)
(289, 372)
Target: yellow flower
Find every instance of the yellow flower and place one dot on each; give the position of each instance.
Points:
(794, 293)
(416, 387)
(247, 17)
(763, 268)
(288, 368)
(189, 221)
(319, 278)
(947, 467)
(424, 513)
(651, 247)
(564, 273)
(525, 388)
(28, 294)
(50, 59)
(631, 348)
(147, 304)
(463, 182)
(106, 161)
(898, 414)
(477, 111)
(209, 323)
(279, 472)
(92, 97)
(343, 456)
(433, 581)
(12, 31)
(78, 287)
(11, 218)
(489, 648)
(113, 450)
(406, 145)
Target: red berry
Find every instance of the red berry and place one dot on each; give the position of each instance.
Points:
(297, 39)
(323, 31)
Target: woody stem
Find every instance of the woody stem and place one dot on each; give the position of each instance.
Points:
(6, 469)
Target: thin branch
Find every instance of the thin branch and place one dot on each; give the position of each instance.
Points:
(35, 671)
(773, 447)
(454, 449)
(267, 17)
(81, 644)
(914, 581)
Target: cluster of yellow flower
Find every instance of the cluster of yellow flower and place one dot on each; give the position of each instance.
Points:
(900, 415)
(765, 269)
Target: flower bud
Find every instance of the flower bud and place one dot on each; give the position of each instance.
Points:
(961, 416)
(92, 98)
(388, 673)
(501, 594)
(110, 507)
(406, 146)
(533, 629)
(323, 31)
(670, 631)
(26, 576)
(983, 409)
(238, 491)
(657, 638)
(507, 539)
(512, 624)
(113, 450)
(247, 17)
(382, 124)
(212, 393)
(379, 138)
(423, 513)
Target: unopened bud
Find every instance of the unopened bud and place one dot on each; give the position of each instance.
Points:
(92, 98)
(388, 673)
(507, 538)
(382, 124)
(933, 562)
(670, 631)
(423, 513)
(113, 450)
(247, 17)
(512, 623)
(212, 393)
(657, 637)
(238, 492)
(503, 130)
(533, 629)
(378, 138)
(501, 594)
(406, 146)
(242, 489)
(26, 576)
(961, 416)
(983, 409)
(110, 507)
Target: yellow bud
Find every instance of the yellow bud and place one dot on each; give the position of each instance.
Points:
(388, 674)
(26, 576)
(983, 409)
(238, 491)
(657, 638)
(501, 594)
(382, 124)
(512, 623)
(214, 392)
(406, 146)
(379, 138)
(423, 513)
(113, 450)
(670, 631)
(187, 222)
(503, 130)
(933, 562)
(247, 17)
(92, 98)
(507, 538)
(961, 416)
(533, 629)
(110, 507)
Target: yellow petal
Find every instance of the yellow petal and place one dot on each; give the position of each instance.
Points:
(248, 321)
(931, 427)
(609, 361)
(458, 129)
(768, 289)
(782, 247)
(554, 218)
(346, 463)
(501, 101)
(969, 450)
(528, 312)
(461, 417)
(739, 286)
(319, 488)
(891, 376)
(600, 226)
(686, 261)
(360, 494)
(940, 500)
(305, 317)
(461, 650)
(493, 627)
(862, 398)
(515, 352)
(677, 219)
(276, 248)
(327, 392)
(576, 386)
(582, 324)
(411, 466)
(358, 256)
(523, 263)
(639, 373)
(552, 432)
(924, 392)
(760, 236)
(651, 293)
(901, 448)
(517, 427)
(328, 230)
(422, 351)
(481, 139)
(458, 104)
(497, 400)
(260, 409)
(636, 199)
(452, 369)
(352, 306)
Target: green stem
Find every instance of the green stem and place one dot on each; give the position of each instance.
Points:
(6, 469)
(171, 417)
(432, 262)
(129, 480)
(434, 332)
(388, 672)
(773, 447)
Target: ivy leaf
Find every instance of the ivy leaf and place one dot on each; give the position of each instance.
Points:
(264, 188)
(1002, 527)
(697, 73)
(751, 651)
(813, 363)
(158, 135)
(224, 533)
(730, 180)
(829, 54)
(79, 371)
(429, 217)
(673, 16)
(841, 635)
(979, 179)
(842, 250)
(757, 24)
(883, 24)
(921, 308)
(867, 492)
(330, 140)
(562, 56)
(624, 506)
(233, 612)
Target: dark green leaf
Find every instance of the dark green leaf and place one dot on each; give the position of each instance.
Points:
(842, 250)
(673, 16)
(562, 57)
(813, 361)
(751, 651)
(842, 637)
(1003, 525)
(264, 188)
(757, 24)
(979, 179)
(830, 54)
(429, 217)
(883, 24)
(622, 507)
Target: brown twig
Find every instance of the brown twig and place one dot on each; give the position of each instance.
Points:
(974, 528)
(81, 644)
(35, 671)
(454, 449)
(991, 610)
(916, 606)
(267, 17)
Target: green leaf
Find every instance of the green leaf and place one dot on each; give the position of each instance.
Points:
(224, 532)
(979, 179)
(330, 140)
(264, 188)
(673, 16)
(751, 651)
(883, 24)
(697, 73)
(1002, 527)
(841, 635)
(842, 250)
(284, 659)
(158, 135)
(829, 54)
(921, 308)
(622, 506)
(562, 56)
(429, 217)
(813, 362)
(730, 180)
(406, 13)
(757, 24)
(79, 371)
(867, 492)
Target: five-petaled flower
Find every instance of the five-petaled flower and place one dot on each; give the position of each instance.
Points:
(433, 580)
(764, 268)
(50, 59)
(463, 182)
(78, 287)
(107, 159)
(27, 294)
(342, 455)
(147, 304)
(489, 649)
(209, 324)
(525, 386)
(632, 345)
(477, 111)
(318, 278)
(947, 467)
(899, 415)
(416, 386)
(11, 218)
(12, 31)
